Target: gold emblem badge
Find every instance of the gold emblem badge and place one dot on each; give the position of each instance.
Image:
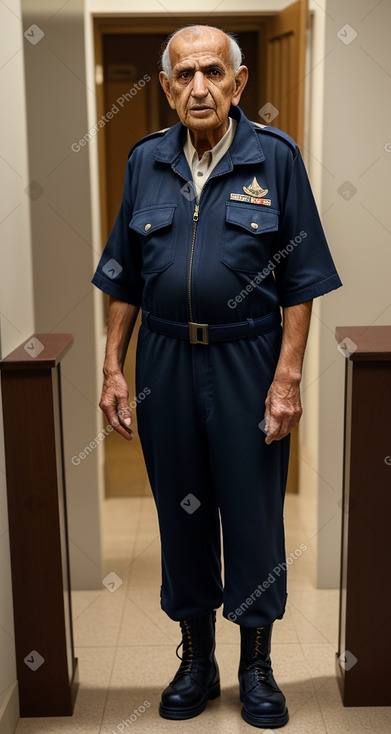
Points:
(255, 189)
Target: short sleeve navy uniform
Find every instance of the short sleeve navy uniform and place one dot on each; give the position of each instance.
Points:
(252, 244)
(257, 224)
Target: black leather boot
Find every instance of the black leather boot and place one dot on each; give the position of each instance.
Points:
(263, 702)
(197, 678)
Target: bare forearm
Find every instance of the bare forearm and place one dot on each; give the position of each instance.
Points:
(115, 394)
(120, 325)
(283, 403)
(296, 325)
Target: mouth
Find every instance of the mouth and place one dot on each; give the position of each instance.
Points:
(201, 108)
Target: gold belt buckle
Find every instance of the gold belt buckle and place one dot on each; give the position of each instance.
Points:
(198, 333)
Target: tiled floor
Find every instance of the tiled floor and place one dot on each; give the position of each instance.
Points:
(126, 644)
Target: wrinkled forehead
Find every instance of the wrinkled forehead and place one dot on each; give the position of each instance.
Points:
(197, 44)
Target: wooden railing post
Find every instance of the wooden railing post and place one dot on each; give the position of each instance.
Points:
(33, 438)
(364, 647)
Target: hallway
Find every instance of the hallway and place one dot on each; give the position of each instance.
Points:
(126, 644)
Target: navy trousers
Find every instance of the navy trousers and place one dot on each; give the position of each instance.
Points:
(213, 476)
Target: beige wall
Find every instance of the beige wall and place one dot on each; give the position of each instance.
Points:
(176, 7)
(16, 307)
(46, 263)
(356, 115)
(63, 256)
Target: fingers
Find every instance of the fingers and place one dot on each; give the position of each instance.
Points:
(272, 428)
(114, 403)
(282, 413)
(121, 422)
(278, 428)
(124, 413)
(115, 418)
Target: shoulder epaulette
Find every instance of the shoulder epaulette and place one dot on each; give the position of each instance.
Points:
(156, 134)
(277, 133)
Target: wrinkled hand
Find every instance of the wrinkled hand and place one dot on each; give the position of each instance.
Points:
(115, 403)
(283, 409)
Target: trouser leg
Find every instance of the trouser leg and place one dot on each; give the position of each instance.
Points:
(176, 455)
(204, 450)
(250, 478)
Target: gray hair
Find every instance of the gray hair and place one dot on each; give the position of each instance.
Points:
(234, 48)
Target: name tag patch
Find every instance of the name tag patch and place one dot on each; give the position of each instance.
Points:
(250, 199)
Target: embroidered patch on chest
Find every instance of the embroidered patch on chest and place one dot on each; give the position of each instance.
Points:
(250, 199)
(253, 194)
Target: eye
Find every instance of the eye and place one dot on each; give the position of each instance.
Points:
(184, 75)
(214, 73)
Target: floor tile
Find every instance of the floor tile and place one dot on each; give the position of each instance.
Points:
(351, 720)
(99, 623)
(95, 666)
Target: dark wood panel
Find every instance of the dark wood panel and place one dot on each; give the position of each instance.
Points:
(38, 351)
(371, 342)
(38, 533)
(365, 596)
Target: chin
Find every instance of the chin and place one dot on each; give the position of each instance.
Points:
(200, 123)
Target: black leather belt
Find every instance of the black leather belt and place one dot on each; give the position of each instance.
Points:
(207, 333)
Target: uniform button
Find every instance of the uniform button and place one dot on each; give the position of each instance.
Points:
(147, 226)
(199, 173)
(254, 225)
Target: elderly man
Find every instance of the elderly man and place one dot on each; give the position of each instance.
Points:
(217, 235)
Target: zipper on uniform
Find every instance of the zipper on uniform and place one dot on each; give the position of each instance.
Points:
(195, 223)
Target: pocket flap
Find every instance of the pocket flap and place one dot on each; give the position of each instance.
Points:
(252, 218)
(146, 221)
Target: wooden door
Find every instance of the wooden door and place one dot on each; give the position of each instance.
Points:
(286, 50)
(135, 114)
(284, 108)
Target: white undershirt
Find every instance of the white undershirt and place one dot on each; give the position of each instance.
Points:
(201, 168)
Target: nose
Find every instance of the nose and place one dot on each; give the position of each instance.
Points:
(199, 89)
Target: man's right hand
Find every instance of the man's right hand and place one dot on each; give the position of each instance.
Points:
(115, 403)
(115, 394)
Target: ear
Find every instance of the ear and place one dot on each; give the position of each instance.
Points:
(241, 78)
(165, 82)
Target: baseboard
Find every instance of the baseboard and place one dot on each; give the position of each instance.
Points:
(9, 710)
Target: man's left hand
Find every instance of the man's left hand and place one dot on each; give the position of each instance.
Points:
(283, 409)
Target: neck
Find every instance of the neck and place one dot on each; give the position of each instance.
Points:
(204, 140)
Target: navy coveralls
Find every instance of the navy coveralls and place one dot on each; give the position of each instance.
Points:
(252, 244)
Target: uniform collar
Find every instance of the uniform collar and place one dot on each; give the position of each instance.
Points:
(214, 154)
(246, 146)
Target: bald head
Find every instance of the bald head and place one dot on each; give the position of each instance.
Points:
(192, 34)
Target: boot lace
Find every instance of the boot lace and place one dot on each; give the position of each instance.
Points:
(258, 642)
(261, 667)
(188, 650)
(260, 672)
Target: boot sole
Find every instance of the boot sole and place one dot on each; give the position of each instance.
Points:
(265, 722)
(178, 714)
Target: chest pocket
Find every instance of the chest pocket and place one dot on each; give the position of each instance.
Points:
(248, 233)
(154, 226)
